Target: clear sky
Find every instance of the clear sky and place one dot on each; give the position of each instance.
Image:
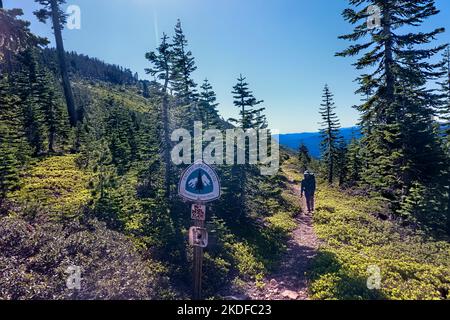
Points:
(285, 48)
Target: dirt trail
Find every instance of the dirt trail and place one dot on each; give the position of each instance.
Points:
(289, 282)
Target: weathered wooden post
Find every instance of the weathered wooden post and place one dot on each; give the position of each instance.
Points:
(199, 239)
(198, 184)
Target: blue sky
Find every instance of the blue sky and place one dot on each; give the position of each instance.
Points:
(285, 48)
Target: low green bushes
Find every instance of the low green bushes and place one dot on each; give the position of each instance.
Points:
(355, 241)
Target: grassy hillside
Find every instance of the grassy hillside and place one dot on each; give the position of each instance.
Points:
(412, 266)
(115, 177)
(56, 190)
(55, 186)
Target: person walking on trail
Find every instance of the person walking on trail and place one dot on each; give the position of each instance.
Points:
(308, 188)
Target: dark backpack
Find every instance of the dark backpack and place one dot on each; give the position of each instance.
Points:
(309, 184)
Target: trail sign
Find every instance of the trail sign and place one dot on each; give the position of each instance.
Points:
(198, 237)
(198, 212)
(199, 183)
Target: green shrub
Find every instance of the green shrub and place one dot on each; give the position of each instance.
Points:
(216, 272)
(282, 222)
(246, 263)
(412, 266)
(56, 186)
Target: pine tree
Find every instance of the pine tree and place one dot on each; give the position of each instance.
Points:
(183, 65)
(15, 38)
(397, 98)
(423, 155)
(120, 134)
(161, 61)
(51, 10)
(9, 169)
(208, 106)
(51, 108)
(106, 207)
(55, 116)
(445, 116)
(250, 114)
(260, 121)
(30, 88)
(444, 110)
(14, 149)
(161, 68)
(342, 161)
(304, 157)
(329, 133)
(247, 104)
(145, 89)
(104, 167)
(355, 162)
(45, 117)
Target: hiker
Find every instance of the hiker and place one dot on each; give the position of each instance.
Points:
(309, 188)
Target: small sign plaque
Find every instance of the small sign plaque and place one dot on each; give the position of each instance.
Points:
(198, 237)
(198, 212)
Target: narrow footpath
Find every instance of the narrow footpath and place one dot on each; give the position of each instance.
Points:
(289, 282)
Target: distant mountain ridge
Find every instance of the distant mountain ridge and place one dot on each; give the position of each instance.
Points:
(89, 68)
(312, 139)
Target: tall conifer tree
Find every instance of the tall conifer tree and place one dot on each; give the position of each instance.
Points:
(355, 162)
(444, 112)
(208, 106)
(397, 98)
(304, 157)
(161, 69)
(330, 134)
(14, 149)
(183, 65)
(16, 37)
(51, 10)
(249, 112)
(342, 160)
(29, 87)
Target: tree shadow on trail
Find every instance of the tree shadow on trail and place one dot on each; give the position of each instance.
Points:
(330, 280)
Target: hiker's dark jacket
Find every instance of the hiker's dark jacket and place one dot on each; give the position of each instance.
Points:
(309, 185)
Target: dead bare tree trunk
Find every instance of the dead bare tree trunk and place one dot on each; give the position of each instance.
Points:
(56, 19)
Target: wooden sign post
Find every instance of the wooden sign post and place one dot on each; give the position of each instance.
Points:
(199, 184)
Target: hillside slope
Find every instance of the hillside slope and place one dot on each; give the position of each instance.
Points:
(110, 187)
(357, 244)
